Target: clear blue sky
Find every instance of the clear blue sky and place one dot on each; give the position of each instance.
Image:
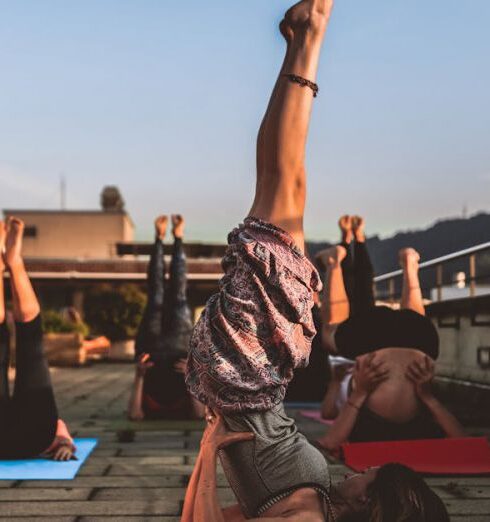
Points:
(164, 98)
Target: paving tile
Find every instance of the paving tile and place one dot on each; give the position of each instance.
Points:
(146, 479)
(172, 481)
(127, 507)
(26, 495)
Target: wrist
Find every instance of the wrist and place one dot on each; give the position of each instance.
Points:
(209, 450)
(428, 399)
(358, 397)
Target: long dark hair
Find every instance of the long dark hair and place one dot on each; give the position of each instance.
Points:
(399, 494)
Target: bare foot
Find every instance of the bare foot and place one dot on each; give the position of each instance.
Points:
(13, 242)
(358, 224)
(331, 256)
(3, 237)
(345, 225)
(161, 226)
(409, 259)
(307, 15)
(178, 223)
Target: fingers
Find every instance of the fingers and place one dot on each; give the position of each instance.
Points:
(422, 370)
(63, 454)
(379, 374)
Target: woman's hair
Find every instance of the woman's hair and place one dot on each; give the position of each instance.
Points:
(399, 494)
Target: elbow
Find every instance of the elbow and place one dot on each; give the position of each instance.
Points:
(330, 413)
(329, 444)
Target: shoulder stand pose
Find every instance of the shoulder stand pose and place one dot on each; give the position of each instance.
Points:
(29, 422)
(258, 329)
(162, 342)
(389, 395)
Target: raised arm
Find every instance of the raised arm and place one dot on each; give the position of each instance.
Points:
(281, 181)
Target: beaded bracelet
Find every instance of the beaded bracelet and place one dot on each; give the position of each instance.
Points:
(303, 82)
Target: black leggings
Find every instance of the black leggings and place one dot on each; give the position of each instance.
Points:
(358, 274)
(167, 322)
(29, 417)
(369, 327)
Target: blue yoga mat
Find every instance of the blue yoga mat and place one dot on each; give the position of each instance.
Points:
(44, 469)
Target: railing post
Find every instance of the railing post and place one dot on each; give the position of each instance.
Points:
(439, 282)
(391, 289)
(472, 276)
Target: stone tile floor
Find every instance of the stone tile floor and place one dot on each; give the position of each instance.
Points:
(146, 479)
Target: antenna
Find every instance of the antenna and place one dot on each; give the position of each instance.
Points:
(62, 192)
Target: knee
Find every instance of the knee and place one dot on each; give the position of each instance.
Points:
(328, 339)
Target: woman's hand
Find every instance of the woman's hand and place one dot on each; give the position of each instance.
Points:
(143, 364)
(368, 374)
(63, 453)
(421, 373)
(180, 366)
(217, 436)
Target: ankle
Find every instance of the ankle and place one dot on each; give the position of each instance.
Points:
(347, 237)
(16, 265)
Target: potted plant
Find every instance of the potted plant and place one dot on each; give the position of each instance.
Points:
(63, 339)
(116, 312)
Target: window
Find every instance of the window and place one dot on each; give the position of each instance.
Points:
(30, 231)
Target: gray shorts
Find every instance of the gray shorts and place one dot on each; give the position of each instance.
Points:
(276, 463)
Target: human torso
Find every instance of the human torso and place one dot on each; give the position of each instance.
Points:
(305, 503)
(396, 399)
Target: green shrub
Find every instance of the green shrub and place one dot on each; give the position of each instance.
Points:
(115, 312)
(54, 322)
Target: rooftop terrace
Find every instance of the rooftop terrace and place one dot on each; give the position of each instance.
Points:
(146, 479)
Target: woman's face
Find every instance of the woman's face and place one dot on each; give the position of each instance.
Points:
(354, 489)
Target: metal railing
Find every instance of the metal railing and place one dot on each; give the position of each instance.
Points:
(438, 264)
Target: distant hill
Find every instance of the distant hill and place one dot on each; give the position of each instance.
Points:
(444, 237)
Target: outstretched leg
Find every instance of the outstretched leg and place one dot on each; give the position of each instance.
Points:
(33, 399)
(281, 184)
(335, 303)
(4, 334)
(363, 270)
(411, 292)
(149, 338)
(25, 303)
(179, 314)
(347, 265)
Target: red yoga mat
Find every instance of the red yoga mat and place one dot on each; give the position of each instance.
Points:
(465, 456)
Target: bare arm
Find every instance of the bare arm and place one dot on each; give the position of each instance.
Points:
(329, 409)
(446, 420)
(368, 375)
(421, 373)
(341, 429)
(135, 404)
(191, 493)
